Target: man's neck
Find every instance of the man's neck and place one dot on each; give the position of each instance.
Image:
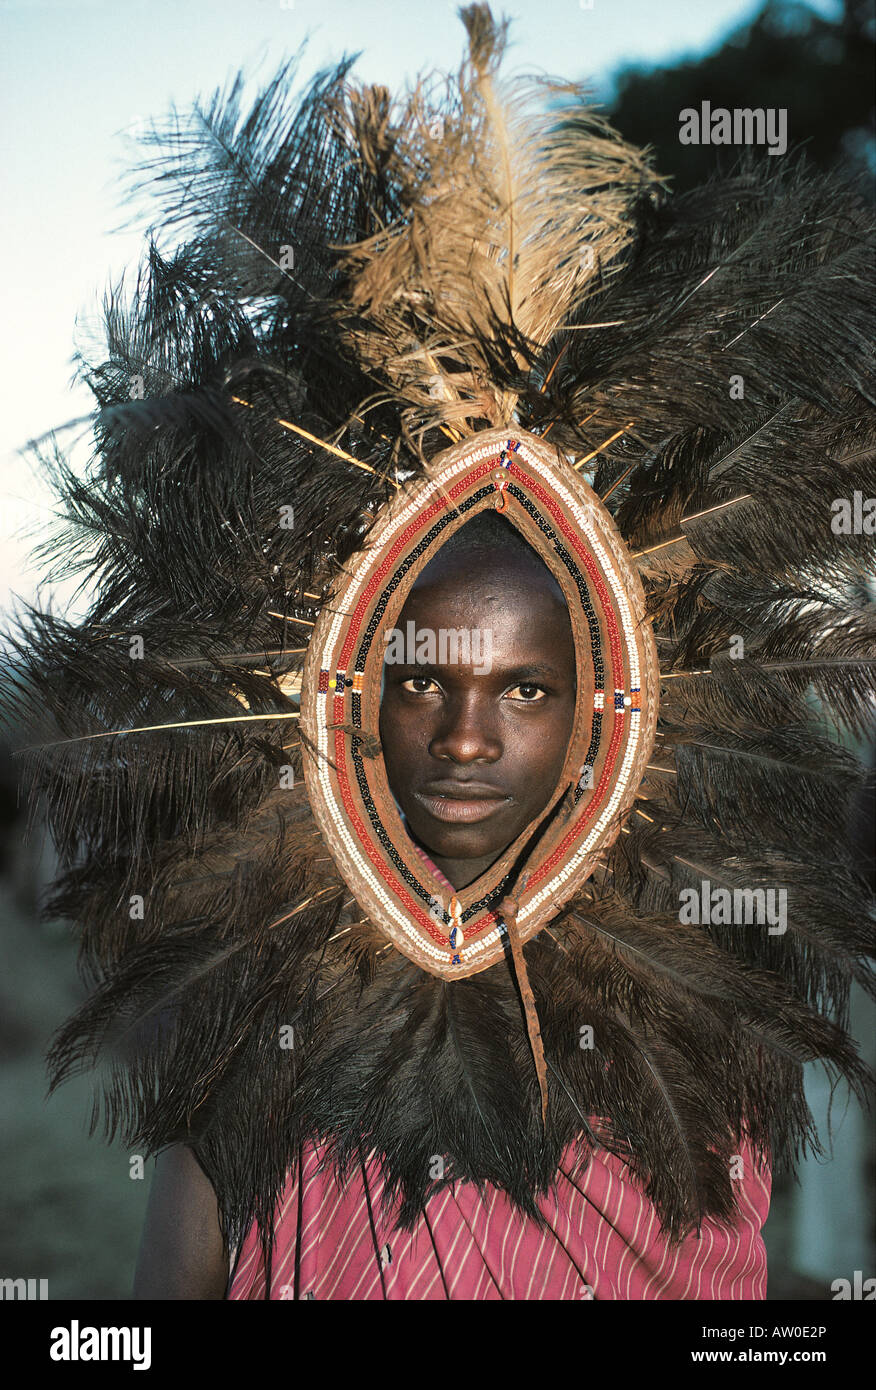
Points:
(458, 872)
(462, 872)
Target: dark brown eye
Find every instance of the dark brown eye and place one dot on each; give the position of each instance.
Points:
(419, 685)
(528, 694)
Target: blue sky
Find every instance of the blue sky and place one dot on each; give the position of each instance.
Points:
(78, 74)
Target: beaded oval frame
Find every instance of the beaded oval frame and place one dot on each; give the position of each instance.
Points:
(538, 491)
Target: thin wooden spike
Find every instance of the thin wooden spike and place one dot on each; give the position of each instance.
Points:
(314, 439)
(753, 325)
(544, 434)
(301, 906)
(340, 933)
(287, 617)
(626, 473)
(557, 360)
(362, 922)
(604, 445)
(155, 728)
(268, 257)
(673, 540)
(838, 663)
(331, 448)
(583, 327)
(720, 505)
(229, 657)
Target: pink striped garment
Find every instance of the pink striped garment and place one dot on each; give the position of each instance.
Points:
(603, 1241)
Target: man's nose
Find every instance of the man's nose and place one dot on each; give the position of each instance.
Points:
(467, 734)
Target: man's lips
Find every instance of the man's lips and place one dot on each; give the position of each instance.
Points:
(461, 802)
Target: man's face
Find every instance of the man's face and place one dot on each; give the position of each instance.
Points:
(473, 748)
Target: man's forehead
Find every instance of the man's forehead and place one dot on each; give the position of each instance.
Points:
(499, 569)
(525, 632)
(533, 613)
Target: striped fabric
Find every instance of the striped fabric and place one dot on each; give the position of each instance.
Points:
(603, 1241)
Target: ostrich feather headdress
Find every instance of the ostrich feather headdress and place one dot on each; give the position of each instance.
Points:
(379, 318)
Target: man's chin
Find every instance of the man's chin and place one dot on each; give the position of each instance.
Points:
(456, 841)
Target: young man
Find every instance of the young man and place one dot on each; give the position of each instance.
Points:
(473, 749)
